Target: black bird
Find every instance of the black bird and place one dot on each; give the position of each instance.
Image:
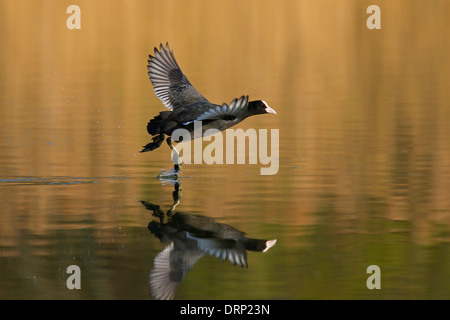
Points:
(187, 105)
(189, 238)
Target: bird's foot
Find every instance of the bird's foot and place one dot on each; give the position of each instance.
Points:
(168, 176)
(156, 142)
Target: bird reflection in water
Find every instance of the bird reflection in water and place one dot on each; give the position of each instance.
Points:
(189, 238)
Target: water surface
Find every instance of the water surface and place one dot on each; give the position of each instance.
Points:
(364, 148)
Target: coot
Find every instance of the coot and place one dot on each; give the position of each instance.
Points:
(187, 105)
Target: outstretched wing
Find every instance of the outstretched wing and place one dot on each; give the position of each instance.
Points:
(169, 268)
(222, 248)
(170, 84)
(236, 109)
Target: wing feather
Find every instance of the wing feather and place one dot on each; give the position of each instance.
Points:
(236, 109)
(170, 84)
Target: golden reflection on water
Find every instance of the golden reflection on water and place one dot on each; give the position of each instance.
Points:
(363, 114)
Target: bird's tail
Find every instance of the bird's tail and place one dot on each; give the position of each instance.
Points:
(156, 128)
(156, 125)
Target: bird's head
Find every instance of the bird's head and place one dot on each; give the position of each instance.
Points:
(260, 107)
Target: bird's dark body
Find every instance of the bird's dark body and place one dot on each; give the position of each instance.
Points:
(169, 121)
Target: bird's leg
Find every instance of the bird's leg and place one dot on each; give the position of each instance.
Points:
(156, 142)
(176, 198)
(175, 156)
(157, 212)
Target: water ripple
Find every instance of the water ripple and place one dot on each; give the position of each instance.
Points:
(52, 180)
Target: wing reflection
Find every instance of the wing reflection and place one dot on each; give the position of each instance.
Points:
(189, 238)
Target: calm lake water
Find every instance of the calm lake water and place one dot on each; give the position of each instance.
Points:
(364, 148)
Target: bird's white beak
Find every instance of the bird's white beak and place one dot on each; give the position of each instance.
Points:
(270, 110)
(270, 244)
